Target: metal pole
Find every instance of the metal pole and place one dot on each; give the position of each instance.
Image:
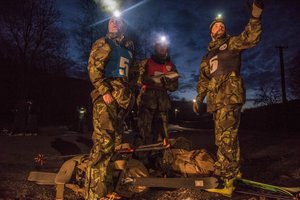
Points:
(284, 100)
(283, 87)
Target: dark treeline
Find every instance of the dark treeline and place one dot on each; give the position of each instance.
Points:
(55, 98)
(33, 64)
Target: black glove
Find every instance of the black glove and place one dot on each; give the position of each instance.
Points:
(257, 8)
(259, 3)
(196, 106)
(165, 81)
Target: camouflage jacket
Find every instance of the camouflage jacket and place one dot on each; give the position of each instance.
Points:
(228, 88)
(120, 88)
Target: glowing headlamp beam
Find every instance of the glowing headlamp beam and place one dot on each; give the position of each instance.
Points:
(126, 10)
(117, 13)
(108, 4)
(134, 6)
(163, 38)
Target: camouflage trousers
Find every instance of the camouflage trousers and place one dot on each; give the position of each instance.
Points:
(227, 120)
(108, 130)
(152, 126)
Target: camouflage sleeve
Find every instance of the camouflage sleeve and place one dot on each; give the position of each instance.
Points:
(172, 84)
(133, 75)
(97, 60)
(203, 80)
(142, 72)
(249, 37)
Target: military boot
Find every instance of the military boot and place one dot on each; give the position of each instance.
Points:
(226, 189)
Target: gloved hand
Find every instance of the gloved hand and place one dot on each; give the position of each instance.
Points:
(196, 105)
(257, 8)
(165, 81)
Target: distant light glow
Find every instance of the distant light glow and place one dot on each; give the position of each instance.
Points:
(194, 100)
(219, 16)
(82, 110)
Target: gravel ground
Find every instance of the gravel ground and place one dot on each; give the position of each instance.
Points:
(266, 157)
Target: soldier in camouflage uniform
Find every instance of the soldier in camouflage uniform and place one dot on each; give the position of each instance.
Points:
(154, 101)
(221, 84)
(109, 66)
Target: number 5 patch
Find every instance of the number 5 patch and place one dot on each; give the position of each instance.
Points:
(124, 64)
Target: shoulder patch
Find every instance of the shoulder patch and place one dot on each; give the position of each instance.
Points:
(168, 68)
(223, 47)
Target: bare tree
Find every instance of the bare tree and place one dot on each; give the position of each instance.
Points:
(267, 95)
(33, 39)
(87, 29)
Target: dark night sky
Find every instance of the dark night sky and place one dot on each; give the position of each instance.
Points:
(186, 24)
